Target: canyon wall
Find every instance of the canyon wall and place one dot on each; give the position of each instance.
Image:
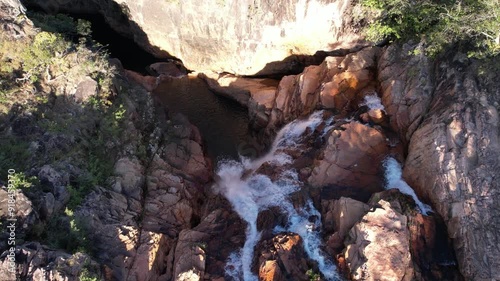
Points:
(242, 37)
(440, 119)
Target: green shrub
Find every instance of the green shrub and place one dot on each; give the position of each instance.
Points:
(86, 275)
(60, 23)
(21, 181)
(313, 276)
(474, 24)
(14, 154)
(63, 231)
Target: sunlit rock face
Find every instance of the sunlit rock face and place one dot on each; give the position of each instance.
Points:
(453, 161)
(242, 37)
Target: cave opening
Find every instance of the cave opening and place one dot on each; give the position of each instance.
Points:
(131, 55)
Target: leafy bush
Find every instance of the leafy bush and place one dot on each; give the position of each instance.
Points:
(60, 23)
(63, 231)
(86, 275)
(21, 181)
(475, 24)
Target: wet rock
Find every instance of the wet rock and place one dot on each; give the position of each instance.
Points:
(291, 254)
(376, 116)
(337, 83)
(227, 234)
(283, 256)
(270, 271)
(352, 157)
(431, 249)
(348, 78)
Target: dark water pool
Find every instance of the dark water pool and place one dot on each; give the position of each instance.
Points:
(223, 123)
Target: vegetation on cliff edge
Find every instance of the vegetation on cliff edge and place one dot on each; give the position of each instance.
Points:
(43, 122)
(472, 25)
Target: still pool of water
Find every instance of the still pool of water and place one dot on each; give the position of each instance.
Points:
(223, 123)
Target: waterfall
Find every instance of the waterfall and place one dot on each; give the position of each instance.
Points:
(373, 102)
(253, 193)
(393, 178)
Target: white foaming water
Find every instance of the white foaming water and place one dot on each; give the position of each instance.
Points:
(373, 102)
(393, 179)
(329, 126)
(257, 192)
(287, 137)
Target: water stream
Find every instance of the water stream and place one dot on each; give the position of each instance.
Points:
(250, 193)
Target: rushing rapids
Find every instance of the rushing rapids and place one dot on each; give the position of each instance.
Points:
(394, 179)
(251, 193)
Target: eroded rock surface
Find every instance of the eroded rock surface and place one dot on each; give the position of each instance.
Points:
(407, 83)
(283, 257)
(453, 161)
(134, 226)
(339, 216)
(246, 38)
(36, 262)
(352, 157)
(160, 220)
(392, 241)
(339, 83)
(378, 247)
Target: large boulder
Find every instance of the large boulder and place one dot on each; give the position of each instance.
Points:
(393, 241)
(190, 256)
(453, 161)
(378, 247)
(352, 157)
(14, 205)
(338, 217)
(283, 256)
(242, 37)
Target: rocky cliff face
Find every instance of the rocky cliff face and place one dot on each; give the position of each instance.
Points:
(453, 159)
(444, 115)
(262, 37)
(313, 206)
